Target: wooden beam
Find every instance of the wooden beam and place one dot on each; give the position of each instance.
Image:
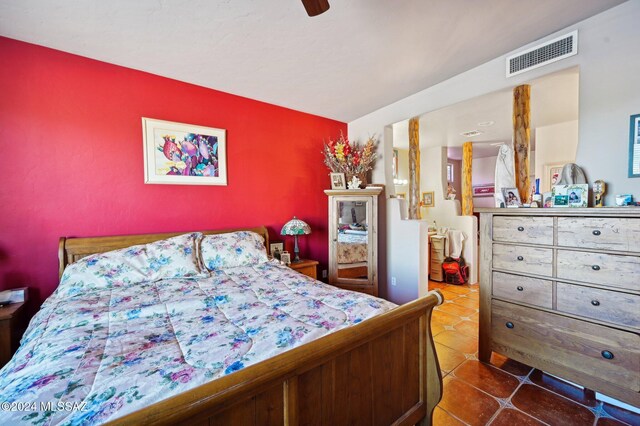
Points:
(467, 192)
(414, 168)
(522, 139)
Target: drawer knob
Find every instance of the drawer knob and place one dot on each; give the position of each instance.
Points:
(510, 325)
(520, 288)
(520, 258)
(596, 232)
(595, 267)
(595, 302)
(520, 228)
(607, 355)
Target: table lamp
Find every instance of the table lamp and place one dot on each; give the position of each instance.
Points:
(296, 227)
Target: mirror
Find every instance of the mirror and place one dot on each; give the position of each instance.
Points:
(353, 239)
(486, 121)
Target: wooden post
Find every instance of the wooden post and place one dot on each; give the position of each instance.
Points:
(467, 191)
(414, 168)
(522, 139)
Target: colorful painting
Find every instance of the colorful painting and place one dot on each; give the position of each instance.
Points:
(484, 190)
(183, 154)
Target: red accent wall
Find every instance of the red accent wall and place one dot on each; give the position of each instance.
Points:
(72, 161)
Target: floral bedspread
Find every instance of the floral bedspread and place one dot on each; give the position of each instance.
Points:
(352, 248)
(98, 351)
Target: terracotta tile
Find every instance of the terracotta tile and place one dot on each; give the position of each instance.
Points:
(436, 328)
(459, 289)
(474, 296)
(551, 408)
(467, 302)
(445, 318)
(510, 366)
(448, 358)
(607, 421)
(475, 317)
(433, 285)
(442, 418)
(584, 397)
(461, 311)
(487, 378)
(511, 417)
(621, 414)
(468, 328)
(449, 295)
(467, 403)
(457, 341)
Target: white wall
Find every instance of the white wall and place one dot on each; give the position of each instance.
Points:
(609, 87)
(555, 144)
(483, 172)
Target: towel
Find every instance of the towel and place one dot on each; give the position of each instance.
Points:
(456, 242)
(505, 173)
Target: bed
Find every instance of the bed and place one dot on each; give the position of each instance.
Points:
(168, 342)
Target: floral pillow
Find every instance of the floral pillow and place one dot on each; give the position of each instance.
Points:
(242, 248)
(171, 258)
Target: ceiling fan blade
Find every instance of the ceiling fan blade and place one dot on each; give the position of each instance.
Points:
(315, 7)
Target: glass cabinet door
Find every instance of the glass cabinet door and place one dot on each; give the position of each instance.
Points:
(351, 236)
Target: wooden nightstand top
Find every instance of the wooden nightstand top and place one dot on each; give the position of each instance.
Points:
(9, 311)
(304, 263)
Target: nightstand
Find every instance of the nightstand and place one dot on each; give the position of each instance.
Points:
(12, 325)
(306, 267)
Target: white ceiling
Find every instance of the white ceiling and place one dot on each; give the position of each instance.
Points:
(357, 57)
(554, 99)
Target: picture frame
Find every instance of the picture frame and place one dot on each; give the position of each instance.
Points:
(285, 258)
(484, 190)
(634, 146)
(428, 199)
(576, 195)
(552, 173)
(338, 181)
(402, 195)
(276, 248)
(511, 197)
(183, 154)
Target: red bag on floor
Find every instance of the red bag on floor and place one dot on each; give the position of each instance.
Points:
(455, 270)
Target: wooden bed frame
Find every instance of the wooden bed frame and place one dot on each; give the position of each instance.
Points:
(382, 371)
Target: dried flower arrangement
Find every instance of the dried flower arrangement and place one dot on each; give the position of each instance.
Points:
(342, 156)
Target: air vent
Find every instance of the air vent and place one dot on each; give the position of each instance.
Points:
(543, 54)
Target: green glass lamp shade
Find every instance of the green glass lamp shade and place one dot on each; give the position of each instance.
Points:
(296, 227)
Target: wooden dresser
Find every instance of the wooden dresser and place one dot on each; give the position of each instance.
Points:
(560, 291)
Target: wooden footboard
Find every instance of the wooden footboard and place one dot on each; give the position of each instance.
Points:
(383, 371)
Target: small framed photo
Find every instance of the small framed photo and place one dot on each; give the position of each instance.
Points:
(338, 181)
(402, 195)
(285, 258)
(276, 248)
(427, 199)
(576, 195)
(511, 197)
(547, 199)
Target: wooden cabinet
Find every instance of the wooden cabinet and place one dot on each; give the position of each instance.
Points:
(12, 325)
(353, 239)
(306, 267)
(560, 291)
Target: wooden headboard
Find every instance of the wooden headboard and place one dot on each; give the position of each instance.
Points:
(72, 249)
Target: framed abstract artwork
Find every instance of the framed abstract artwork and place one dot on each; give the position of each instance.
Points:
(484, 190)
(183, 154)
(634, 146)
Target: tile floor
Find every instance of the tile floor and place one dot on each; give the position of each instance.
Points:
(504, 392)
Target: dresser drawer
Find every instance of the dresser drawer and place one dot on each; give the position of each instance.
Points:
(619, 234)
(610, 306)
(607, 269)
(571, 344)
(523, 259)
(523, 229)
(523, 289)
